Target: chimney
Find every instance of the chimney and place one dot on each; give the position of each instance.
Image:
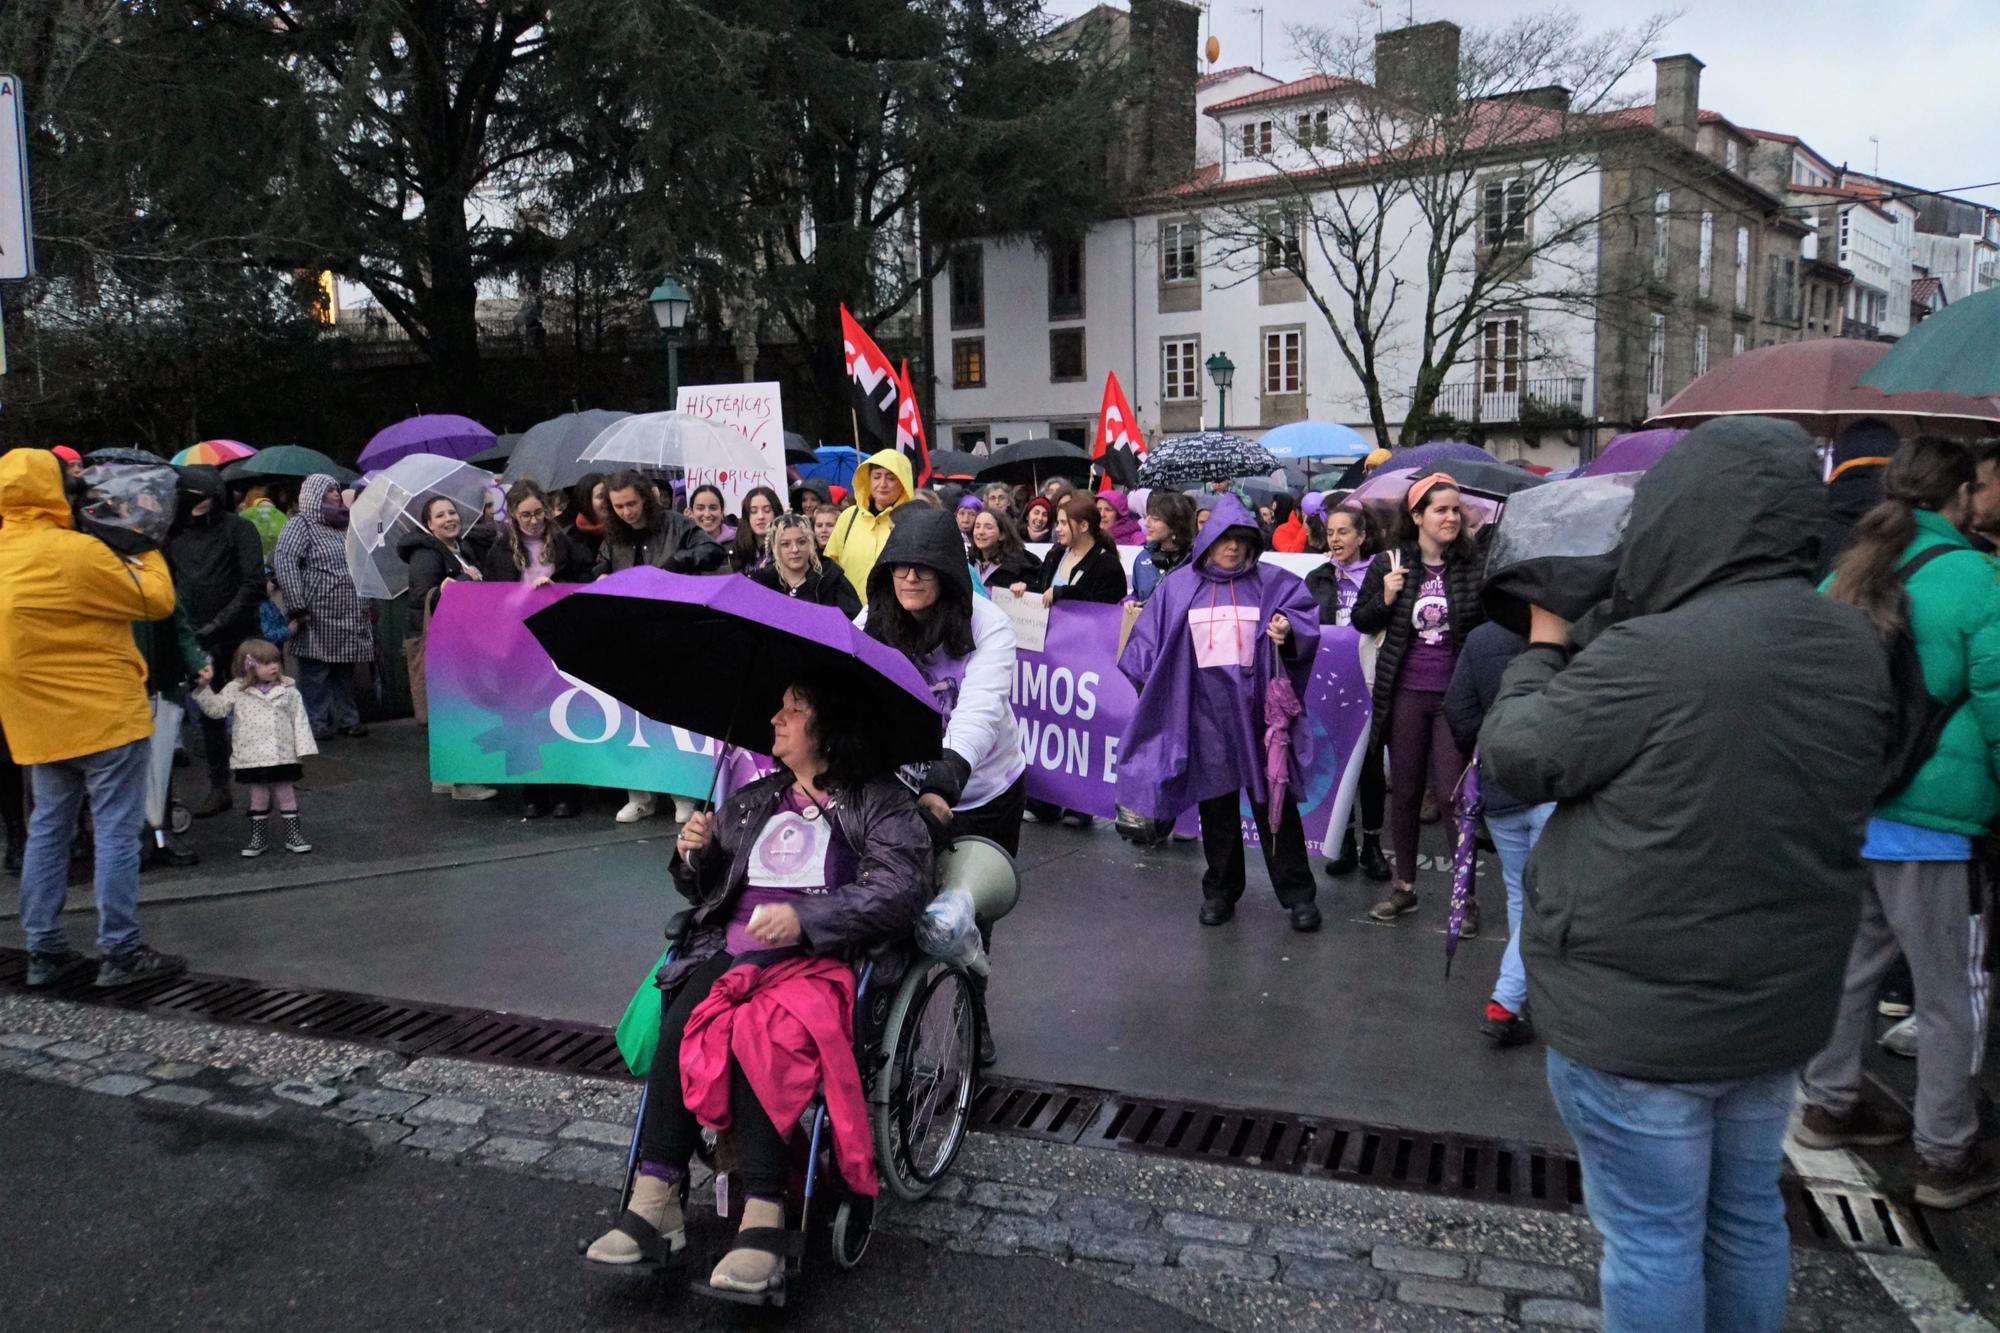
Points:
(1677, 97)
(1418, 63)
(1165, 56)
(1553, 96)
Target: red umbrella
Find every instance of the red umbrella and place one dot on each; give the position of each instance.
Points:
(1815, 384)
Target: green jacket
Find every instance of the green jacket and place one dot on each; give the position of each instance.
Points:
(1955, 620)
(1713, 755)
(171, 651)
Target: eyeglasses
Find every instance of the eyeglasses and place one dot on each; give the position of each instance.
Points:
(527, 514)
(914, 574)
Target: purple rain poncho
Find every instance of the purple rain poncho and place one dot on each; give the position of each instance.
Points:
(1200, 661)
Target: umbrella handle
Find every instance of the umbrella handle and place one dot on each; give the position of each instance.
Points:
(715, 778)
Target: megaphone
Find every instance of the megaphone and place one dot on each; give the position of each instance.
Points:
(983, 869)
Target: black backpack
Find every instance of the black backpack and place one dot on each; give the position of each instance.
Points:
(1920, 719)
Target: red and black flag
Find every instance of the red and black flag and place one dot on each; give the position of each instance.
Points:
(874, 391)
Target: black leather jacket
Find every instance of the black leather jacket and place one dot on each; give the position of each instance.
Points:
(677, 546)
(893, 879)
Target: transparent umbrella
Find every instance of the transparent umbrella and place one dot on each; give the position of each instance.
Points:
(657, 441)
(386, 512)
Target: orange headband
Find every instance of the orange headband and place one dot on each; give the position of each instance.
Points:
(1423, 486)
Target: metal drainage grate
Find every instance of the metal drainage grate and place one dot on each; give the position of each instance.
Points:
(1448, 1164)
(1459, 1166)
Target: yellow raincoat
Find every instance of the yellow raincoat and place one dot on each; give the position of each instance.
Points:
(71, 679)
(859, 535)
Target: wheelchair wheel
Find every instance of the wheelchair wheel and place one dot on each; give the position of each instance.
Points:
(921, 1102)
(848, 1234)
(179, 819)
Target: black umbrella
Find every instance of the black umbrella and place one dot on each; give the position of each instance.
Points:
(633, 635)
(1497, 480)
(797, 450)
(547, 452)
(1033, 461)
(951, 465)
(1210, 455)
(1558, 547)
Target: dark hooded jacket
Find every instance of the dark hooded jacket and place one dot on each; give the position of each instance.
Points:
(1395, 623)
(878, 821)
(1714, 753)
(1861, 455)
(676, 545)
(431, 562)
(827, 585)
(218, 564)
(571, 558)
(982, 748)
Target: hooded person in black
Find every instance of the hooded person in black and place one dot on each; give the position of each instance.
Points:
(1714, 749)
(1861, 454)
(217, 560)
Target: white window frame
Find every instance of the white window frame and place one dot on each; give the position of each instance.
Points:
(1290, 346)
(1180, 238)
(1700, 350)
(1180, 369)
(1503, 212)
(1730, 155)
(1656, 361)
(1736, 344)
(1704, 282)
(1663, 204)
(1742, 268)
(1501, 348)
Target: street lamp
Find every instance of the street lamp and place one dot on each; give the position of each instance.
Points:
(670, 302)
(1223, 371)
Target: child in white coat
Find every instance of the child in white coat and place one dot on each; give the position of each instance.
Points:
(271, 735)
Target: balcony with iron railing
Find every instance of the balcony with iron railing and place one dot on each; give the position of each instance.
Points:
(1549, 398)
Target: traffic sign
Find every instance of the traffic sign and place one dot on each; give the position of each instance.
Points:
(17, 237)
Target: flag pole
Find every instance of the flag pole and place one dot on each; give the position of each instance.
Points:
(854, 420)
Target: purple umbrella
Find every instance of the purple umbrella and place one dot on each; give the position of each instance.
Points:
(1634, 451)
(1466, 807)
(1282, 710)
(453, 436)
(1439, 453)
(715, 655)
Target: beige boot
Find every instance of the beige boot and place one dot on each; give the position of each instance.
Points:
(655, 1202)
(751, 1271)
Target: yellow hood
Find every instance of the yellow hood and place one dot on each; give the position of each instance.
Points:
(31, 489)
(884, 458)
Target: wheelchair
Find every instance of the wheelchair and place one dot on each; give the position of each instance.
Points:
(916, 1045)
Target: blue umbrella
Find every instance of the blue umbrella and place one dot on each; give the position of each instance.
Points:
(1316, 439)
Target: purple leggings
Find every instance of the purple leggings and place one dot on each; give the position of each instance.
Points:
(1421, 749)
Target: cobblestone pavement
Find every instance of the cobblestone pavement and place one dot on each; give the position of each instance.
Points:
(1238, 1249)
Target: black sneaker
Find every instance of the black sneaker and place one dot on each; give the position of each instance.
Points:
(1305, 918)
(141, 962)
(49, 969)
(1865, 1126)
(1215, 911)
(1503, 1027)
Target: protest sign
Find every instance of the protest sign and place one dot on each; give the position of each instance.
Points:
(1073, 705)
(1030, 617)
(500, 712)
(757, 411)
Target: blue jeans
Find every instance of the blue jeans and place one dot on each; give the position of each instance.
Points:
(1682, 1182)
(1514, 836)
(328, 689)
(115, 783)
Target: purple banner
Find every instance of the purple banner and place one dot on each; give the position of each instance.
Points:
(1073, 705)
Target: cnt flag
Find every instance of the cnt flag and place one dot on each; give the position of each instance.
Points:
(1115, 456)
(873, 389)
(911, 441)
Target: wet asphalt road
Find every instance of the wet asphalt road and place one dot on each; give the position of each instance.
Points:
(119, 1215)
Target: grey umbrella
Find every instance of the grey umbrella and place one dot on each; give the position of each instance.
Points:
(547, 454)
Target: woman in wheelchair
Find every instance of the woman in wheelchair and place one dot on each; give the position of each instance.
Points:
(825, 858)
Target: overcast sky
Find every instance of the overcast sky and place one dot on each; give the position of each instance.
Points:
(1919, 75)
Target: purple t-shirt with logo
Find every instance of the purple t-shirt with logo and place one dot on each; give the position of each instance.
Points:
(796, 853)
(1427, 663)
